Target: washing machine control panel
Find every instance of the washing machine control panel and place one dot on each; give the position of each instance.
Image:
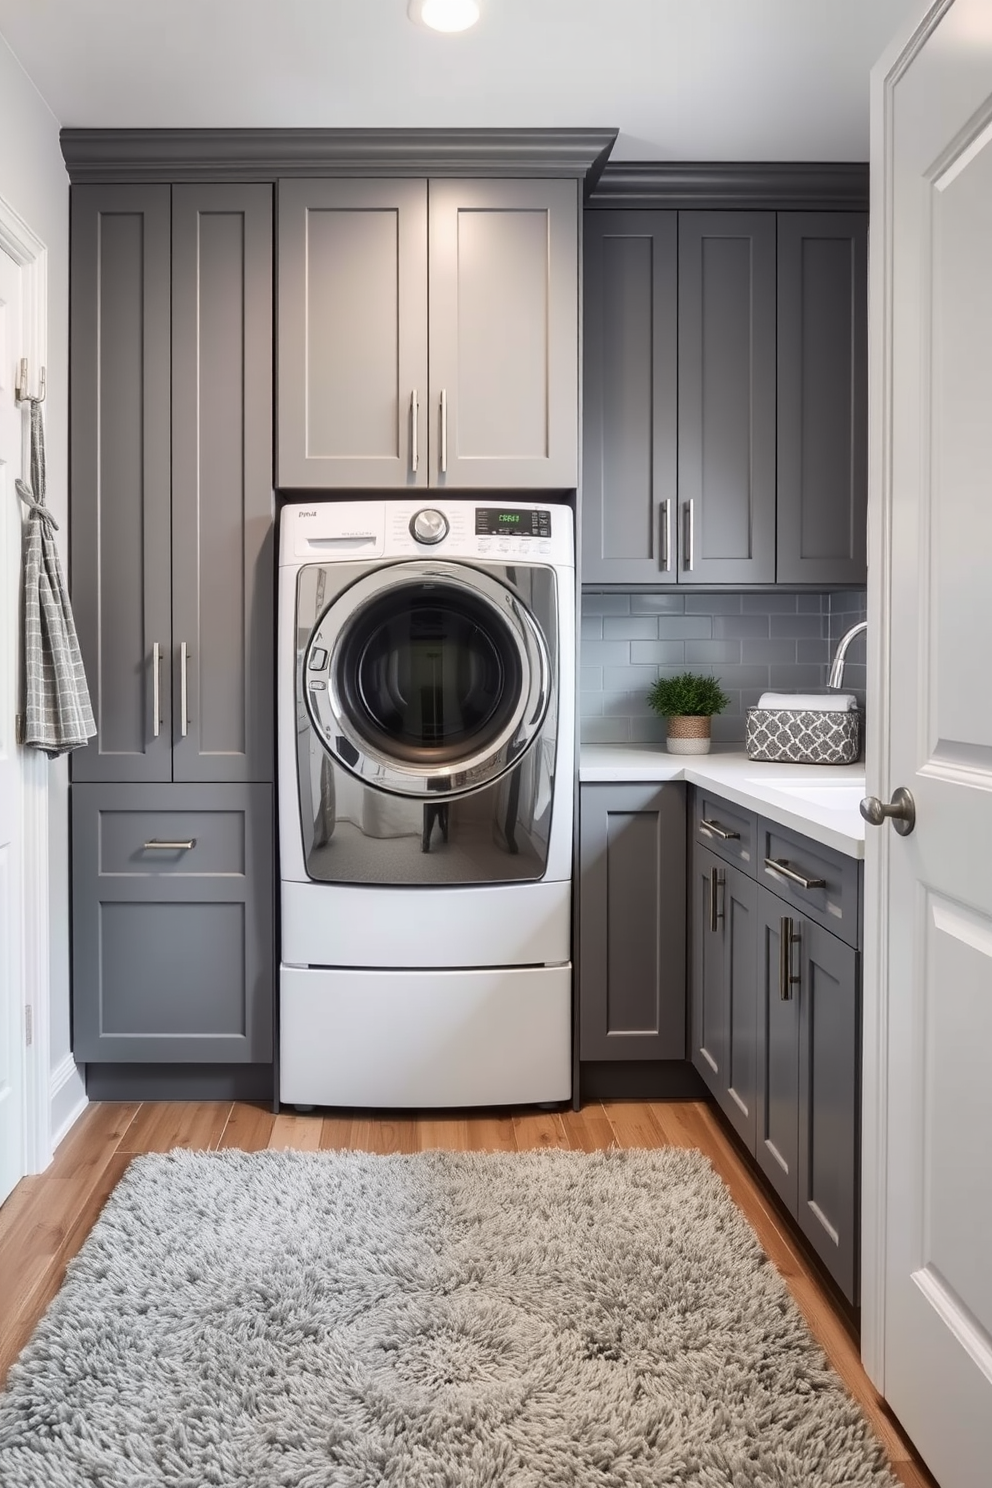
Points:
(451, 528)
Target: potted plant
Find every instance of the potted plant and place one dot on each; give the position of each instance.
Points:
(688, 701)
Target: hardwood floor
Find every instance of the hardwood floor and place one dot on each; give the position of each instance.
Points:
(47, 1218)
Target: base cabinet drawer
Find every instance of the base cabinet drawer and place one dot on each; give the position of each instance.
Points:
(173, 919)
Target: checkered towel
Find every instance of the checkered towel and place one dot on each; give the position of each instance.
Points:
(57, 714)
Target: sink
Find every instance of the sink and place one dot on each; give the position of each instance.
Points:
(838, 795)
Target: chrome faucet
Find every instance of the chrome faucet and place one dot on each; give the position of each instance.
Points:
(837, 665)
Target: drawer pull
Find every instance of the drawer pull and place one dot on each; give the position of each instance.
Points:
(787, 938)
(717, 831)
(186, 846)
(781, 865)
(716, 880)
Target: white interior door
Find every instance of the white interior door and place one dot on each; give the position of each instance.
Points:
(932, 604)
(12, 1154)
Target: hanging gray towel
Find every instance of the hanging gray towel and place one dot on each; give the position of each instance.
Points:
(57, 713)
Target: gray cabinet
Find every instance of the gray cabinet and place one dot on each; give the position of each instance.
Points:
(725, 400)
(428, 334)
(171, 479)
(776, 1013)
(631, 922)
(808, 1080)
(724, 1003)
(172, 567)
(822, 397)
(172, 923)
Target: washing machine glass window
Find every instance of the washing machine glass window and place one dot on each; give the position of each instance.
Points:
(427, 678)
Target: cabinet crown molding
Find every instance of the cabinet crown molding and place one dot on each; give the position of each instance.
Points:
(133, 155)
(807, 186)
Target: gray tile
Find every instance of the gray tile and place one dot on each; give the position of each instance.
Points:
(728, 728)
(797, 627)
(591, 627)
(648, 730)
(616, 704)
(814, 651)
(769, 604)
(811, 604)
(738, 626)
(671, 653)
(638, 706)
(796, 678)
(657, 604)
(630, 628)
(623, 679)
(773, 653)
(605, 653)
(742, 677)
(590, 679)
(684, 627)
(713, 604)
(604, 731)
(591, 704)
(714, 652)
(606, 604)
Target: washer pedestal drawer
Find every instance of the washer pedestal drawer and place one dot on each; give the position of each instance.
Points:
(425, 1038)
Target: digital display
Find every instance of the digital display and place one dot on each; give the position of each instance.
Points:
(490, 521)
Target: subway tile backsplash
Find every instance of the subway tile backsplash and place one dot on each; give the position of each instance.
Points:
(752, 642)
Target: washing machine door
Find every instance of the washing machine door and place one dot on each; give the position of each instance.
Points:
(427, 679)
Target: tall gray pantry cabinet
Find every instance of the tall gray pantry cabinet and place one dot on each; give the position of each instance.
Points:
(172, 569)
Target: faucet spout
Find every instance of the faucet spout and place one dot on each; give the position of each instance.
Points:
(836, 676)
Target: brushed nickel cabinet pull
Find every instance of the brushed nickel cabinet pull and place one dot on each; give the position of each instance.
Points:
(716, 881)
(666, 536)
(183, 689)
(156, 689)
(690, 512)
(444, 431)
(781, 865)
(172, 846)
(787, 939)
(414, 447)
(717, 831)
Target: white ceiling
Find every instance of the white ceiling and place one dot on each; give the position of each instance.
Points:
(681, 79)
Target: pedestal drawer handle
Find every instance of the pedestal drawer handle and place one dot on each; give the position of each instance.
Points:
(781, 865)
(711, 826)
(186, 846)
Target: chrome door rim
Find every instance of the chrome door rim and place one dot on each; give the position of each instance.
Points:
(355, 752)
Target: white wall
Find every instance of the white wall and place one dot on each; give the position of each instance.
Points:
(33, 181)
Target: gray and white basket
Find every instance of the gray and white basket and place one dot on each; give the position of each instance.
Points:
(801, 737)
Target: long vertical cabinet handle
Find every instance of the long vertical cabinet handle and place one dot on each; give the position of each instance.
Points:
(444, 430)
(666, 537)
(690, 534)
(156, 689)
(787, 939)
(414, 447)
(715, 915)
(183, 689)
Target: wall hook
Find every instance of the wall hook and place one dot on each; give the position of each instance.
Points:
(21, 389)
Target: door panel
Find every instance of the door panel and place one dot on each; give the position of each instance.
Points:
(222, 481)
(120, 499)
(933, 297)
(504, 334)
(352, 333)
(630, 348)
(727, 397)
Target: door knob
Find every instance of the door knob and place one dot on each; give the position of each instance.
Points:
(902, 810)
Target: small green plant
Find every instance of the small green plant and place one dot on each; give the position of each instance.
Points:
(687, 695)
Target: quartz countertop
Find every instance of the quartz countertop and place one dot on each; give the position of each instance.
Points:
(818, 800)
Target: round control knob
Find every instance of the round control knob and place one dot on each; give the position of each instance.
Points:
(429, 526)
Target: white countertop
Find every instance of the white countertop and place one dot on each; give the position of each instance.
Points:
(770, 790)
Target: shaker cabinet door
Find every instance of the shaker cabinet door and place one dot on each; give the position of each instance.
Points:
(352, 343)
(121, 528)
(222, 503)
(629, 398)
(504, 339)
(727, 397)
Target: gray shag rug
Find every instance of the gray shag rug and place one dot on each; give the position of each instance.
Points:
(442, 1320)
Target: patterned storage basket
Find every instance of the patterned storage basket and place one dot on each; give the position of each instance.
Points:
(802, 737)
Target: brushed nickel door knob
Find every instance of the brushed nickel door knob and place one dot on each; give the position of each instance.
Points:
(901, 809)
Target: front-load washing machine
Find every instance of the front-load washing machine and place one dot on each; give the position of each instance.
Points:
(426, 675)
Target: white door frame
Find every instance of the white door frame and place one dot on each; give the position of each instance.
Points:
(21, 244)
(875, 995)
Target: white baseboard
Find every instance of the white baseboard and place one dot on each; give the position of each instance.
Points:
(67, 1093)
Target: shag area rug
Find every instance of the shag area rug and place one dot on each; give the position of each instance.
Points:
(442, 1320)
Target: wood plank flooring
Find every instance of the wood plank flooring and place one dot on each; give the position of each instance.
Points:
(47, 1218)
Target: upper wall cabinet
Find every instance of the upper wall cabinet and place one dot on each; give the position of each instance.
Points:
(725, 402)
(427, 334)
(171, 461)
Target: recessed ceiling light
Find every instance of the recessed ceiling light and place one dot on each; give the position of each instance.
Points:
(444, 15)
